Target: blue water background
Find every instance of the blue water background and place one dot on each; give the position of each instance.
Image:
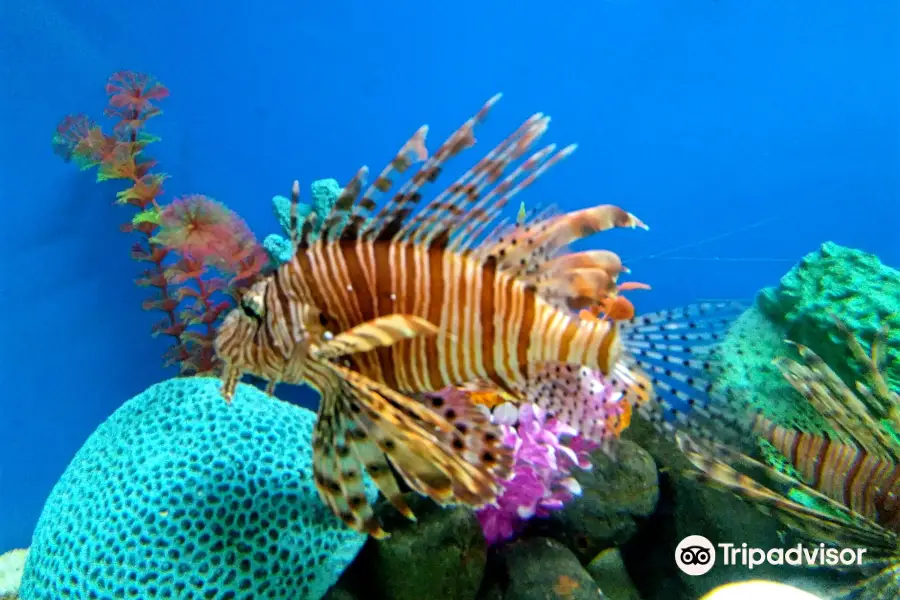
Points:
(769, 126)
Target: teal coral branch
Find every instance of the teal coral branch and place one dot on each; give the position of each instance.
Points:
(324, 193)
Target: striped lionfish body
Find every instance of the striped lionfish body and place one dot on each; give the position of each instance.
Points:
(381, 309)
(851, 474)
(867, 483)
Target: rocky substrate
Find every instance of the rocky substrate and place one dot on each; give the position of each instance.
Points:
(616, 541)
(572, 555)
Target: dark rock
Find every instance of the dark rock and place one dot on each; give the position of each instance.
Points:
(440, 557)
(338, 592)
(492, 587)
(611, 576)
(691, 508)
(544, 569)
(615, 492)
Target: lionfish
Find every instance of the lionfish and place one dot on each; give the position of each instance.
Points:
(380, 309)
(845, 489)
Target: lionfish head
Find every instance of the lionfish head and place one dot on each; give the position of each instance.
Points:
(255, 338)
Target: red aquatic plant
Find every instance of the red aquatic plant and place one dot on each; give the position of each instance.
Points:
(211, 234)
(131, 98)
(218, 256)
(179, 242)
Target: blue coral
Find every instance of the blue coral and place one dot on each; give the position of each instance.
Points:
(181, 495)
(324, 193)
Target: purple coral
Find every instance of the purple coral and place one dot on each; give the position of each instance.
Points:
(541, 480)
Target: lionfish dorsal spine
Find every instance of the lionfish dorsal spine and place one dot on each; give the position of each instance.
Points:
(293, 225)
(336, 221)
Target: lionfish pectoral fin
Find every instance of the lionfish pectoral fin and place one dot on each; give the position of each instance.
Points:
(379, 332)
(450, 452)
(376, 465)
(879, 400)
(337, 467)
(838, 524)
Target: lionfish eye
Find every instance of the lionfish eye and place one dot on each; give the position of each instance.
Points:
(251, 308)
(323, 319)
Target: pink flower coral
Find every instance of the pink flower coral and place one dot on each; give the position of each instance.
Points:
(541, 481)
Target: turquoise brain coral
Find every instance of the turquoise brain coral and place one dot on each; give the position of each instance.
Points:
(324, 194)
(180, 495)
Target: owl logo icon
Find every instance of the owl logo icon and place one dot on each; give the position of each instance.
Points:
(695, 555)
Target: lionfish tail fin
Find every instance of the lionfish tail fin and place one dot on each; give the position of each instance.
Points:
(669, 367)
(448, 452)
(379, 332)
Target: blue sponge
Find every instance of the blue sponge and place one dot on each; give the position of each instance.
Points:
(181, 495)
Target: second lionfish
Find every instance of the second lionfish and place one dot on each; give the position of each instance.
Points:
(381, 307)
(842, 487)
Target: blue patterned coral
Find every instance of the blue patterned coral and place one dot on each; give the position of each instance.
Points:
(181, 495)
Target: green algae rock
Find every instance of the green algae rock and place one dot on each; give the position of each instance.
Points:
(182, 495)
(850, 285)
(752, 380)
(832, 282)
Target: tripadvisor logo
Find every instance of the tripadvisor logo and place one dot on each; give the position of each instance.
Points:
(696, 555)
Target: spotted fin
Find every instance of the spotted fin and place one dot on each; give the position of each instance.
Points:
(581, 398)
(480, 440)
(338, 464)
(350, 213)
(669, 365)
(452, 454)
(382, 331)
